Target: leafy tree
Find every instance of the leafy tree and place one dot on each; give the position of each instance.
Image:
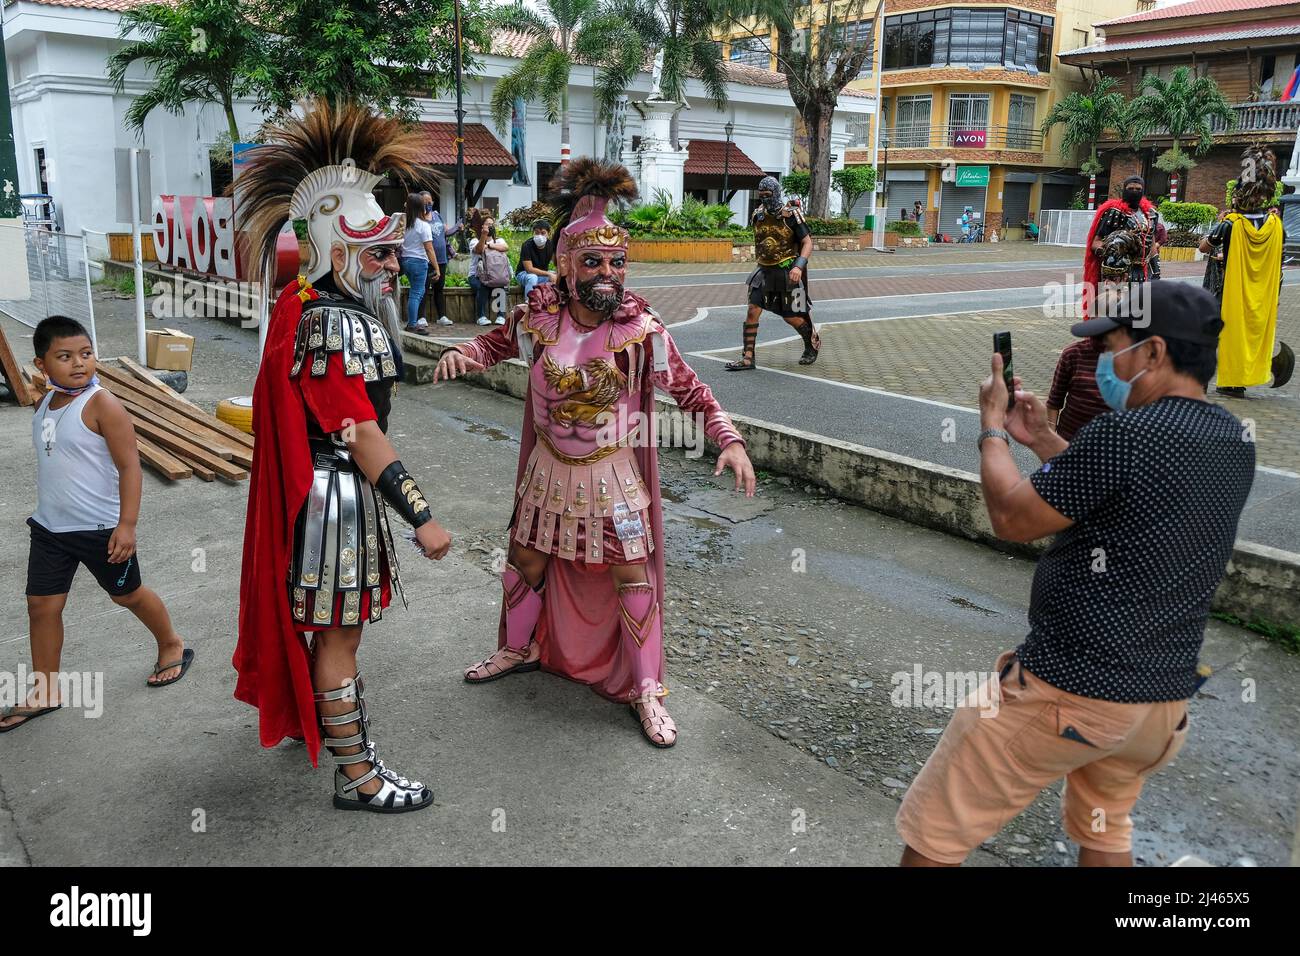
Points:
(1086, 116)
(563, 33)
(853, 182)
(204, 51)
(1181, 108)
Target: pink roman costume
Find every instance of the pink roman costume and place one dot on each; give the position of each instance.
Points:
(587, 486)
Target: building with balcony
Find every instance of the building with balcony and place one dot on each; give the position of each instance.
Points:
(1249, 47)
(964, 89)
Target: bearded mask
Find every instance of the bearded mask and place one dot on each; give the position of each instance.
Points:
(584, 189)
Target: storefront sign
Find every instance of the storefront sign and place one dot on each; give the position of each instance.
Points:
(195, 233)
(970, 138)
(972, 175)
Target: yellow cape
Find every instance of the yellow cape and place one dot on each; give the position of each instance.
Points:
(1251, 278)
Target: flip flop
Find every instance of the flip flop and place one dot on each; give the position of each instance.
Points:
(184, 664)
(27, 717)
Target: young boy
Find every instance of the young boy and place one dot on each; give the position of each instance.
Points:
(88, 499)
(1074, 400)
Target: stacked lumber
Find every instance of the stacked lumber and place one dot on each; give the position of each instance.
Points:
(176, 438)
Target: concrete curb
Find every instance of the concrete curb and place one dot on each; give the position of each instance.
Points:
(1262, 584)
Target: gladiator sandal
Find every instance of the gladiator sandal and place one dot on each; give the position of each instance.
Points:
(641, 621)
(396, 794)
(746, 361)
(523, 605)
(812, 342)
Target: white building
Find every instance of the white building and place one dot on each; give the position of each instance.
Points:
(68, 122)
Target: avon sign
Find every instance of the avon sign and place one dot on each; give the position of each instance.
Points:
(970, 138)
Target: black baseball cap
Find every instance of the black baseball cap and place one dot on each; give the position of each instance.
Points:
(1164, 307)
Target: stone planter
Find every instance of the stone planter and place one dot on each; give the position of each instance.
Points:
(460, 304)
(1180, 254)
(850, 243)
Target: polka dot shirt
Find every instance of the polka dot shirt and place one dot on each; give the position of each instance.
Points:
(1120, 599)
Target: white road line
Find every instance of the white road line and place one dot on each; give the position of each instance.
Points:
(867, 270)
(1276, 471)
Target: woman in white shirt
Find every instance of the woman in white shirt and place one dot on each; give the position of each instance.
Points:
(418, 260)
(486, 239)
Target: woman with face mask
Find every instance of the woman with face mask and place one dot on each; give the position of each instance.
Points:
(484, 292)
(437, 278)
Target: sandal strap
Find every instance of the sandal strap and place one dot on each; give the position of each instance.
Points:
(338, 720)
(166, 667)
(352, 741)
(363, 779)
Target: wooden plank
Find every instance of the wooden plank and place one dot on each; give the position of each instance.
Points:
(12, 374)
(199, 433)
(35, 382)
(180, 431)
(165, 464)
(191, 453)
(142, 374)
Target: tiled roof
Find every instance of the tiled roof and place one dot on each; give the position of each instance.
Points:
(708, 157)
(482, 149)
(1196, 36)
(116, 6)
(1196, 8)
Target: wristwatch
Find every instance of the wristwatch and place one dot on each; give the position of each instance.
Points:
(992, 433)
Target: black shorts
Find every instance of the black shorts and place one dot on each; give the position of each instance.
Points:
(54, 556)
(769, 289)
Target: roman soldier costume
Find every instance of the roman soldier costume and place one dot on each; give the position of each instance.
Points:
(1128, 228)
(587, 486)
(318, 546)
(779, 232)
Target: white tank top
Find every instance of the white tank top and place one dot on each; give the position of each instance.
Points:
(76, 480)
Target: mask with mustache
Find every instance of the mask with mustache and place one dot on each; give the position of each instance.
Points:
(383, 305)
(602, 302)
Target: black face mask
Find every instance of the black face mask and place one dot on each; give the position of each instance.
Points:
(1133, 197)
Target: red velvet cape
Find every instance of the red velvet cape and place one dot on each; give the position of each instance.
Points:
(1091, 262)
(271, 656)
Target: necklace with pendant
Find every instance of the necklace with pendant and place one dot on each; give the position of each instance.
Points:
(54, 431)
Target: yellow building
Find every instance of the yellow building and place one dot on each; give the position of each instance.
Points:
(964, 90)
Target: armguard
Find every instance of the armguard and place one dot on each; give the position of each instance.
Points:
(400, 491)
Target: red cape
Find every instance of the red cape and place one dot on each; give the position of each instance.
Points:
(271, 656)
(1091, 263)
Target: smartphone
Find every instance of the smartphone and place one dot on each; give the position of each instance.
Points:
(1002, 345)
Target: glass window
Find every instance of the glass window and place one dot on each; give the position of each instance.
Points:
(1020, 122)
(968, 37)
(858, 37)
(751, 50)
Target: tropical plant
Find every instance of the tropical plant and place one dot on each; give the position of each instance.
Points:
(682, 30)
(380, 53)
(525, 216)
(904, 227)
(1181, 108)
(821, 48)
(853, 182)
(203, 51)
(1086, 116)
(797, 183)
(562, 34)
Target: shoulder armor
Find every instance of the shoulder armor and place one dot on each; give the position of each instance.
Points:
(336, 325)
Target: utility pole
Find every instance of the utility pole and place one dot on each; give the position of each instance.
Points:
(460, 120)
(878, 54)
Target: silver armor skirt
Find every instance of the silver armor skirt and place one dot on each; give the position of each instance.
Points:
(343, 551)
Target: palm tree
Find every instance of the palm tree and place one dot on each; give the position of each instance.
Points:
(198, 51)
(1180, 107)
(1086, 117)
(683, 31)
(565, 32)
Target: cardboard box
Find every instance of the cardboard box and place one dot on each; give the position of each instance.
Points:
(168, 350)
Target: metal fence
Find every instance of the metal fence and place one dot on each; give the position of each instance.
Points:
(46, 273)
(1064, 227)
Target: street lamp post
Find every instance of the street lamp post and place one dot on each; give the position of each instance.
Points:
(726, 163)
(460, 121)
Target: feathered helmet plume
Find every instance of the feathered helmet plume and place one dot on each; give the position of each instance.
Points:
(580, 194)
(322, 167)
(1258, 180)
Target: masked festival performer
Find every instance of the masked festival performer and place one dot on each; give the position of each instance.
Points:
(319, 560)
(782, 245)
(584, 586)
(1247, 248)
(1121, 243)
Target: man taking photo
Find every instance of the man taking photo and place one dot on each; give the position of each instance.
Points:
(1144, 504)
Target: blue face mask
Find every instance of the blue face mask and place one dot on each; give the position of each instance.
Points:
(1115, 390)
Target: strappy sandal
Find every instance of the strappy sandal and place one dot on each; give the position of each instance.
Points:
(523, 667)
(26, 713)
(812, 350)
(656, 724)
(184, 663)
(741, 365)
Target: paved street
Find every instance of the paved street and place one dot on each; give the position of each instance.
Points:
(791, 751)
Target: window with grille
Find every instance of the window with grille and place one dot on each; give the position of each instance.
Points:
(1020, 122)
(752, 51)
(912, 123)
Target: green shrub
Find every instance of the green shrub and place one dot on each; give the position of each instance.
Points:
(797, 184)
(832, 227)
(1187, 215)
(904, 227)
(523, 217)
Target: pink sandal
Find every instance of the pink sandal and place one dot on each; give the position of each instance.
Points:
(493, 669)
(656, 726)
